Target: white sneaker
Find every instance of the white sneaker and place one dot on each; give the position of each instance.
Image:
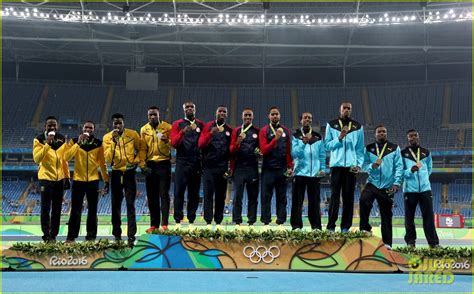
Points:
(366, 233)
(388, 247)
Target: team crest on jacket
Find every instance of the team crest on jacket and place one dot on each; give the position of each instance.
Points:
(227, 133)
(255, 136)
(198, 130)
(283, 135)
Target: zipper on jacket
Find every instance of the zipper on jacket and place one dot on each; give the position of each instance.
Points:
(311, 161)
(87, 167)
(419, 184)
(57, 161)
(345, 151)
(380, 181)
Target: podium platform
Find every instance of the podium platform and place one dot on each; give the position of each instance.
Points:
(175, 252)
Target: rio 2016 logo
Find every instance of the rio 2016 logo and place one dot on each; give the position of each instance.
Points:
(67, 261)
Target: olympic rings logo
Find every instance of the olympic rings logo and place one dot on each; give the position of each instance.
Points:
(261, 253)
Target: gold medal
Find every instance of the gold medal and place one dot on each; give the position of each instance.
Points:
(309, 136)
(193, 126)
(280, 130)
(418, 164)
(242, 135)
(220, 128)
(378, 161)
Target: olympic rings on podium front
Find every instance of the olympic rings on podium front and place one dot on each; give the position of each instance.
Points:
(261, 253)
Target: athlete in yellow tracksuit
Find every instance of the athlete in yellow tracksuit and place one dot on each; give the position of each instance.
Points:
(156, 153)
(121, 149)
(53, 172)
(88, 154)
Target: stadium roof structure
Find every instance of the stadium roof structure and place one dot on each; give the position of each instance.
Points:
(238, 34)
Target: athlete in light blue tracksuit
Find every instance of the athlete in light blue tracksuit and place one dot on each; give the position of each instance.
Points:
(345, 140)
(309, 156)
(383, 163)
(417, 166)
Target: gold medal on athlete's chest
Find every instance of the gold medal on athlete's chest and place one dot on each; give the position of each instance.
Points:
(242, 135)
(220, 128)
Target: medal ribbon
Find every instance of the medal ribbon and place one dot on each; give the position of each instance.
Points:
(246, 129)
(190, 121)
(341, 125)
(417, 157)
(273, 130)
(310, 131)
(219, 126)
(380, 154)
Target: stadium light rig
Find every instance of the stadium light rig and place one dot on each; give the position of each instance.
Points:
(447, 15)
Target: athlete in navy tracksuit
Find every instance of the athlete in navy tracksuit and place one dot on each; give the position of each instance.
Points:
(383, 163)
(244, 148)
(185, 134)
(309, 156)
(275, 145)
(345, 140)
(215, 145)
(418, 166)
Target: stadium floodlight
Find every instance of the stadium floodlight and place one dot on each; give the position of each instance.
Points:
(250, 19)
